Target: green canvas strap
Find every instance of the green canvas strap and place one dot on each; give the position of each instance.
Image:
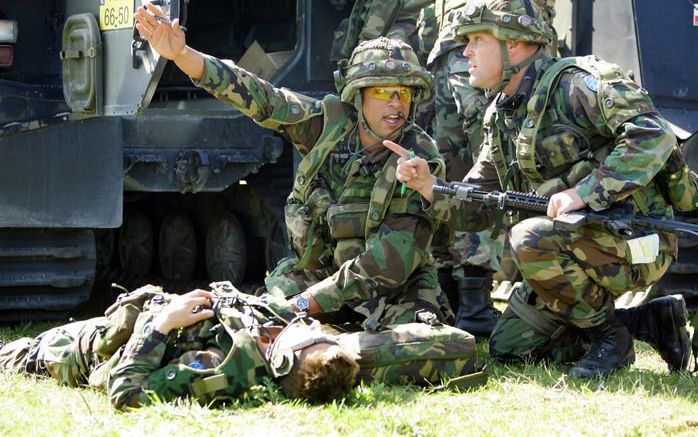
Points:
(544, 322)
(337, 124)
(494, 140)
(382, 193)
(210, 384)
(535, 109)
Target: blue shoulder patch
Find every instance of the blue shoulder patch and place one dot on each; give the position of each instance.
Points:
(592, 83)
(197, 365)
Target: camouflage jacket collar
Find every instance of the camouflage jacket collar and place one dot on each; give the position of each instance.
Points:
(516, 103)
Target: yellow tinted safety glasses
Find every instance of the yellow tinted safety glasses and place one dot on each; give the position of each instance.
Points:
(386, 93)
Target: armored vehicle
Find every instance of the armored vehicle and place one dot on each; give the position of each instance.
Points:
(655, 42)
(111, 160)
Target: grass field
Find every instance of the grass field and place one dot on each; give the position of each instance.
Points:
(517, 400)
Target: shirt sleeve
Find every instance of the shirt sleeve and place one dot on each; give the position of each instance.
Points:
(642, 141)
(128, 380)
(297, 116)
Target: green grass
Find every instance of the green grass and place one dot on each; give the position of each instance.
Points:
(517, 400)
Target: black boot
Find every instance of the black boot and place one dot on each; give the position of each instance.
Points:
(476, 314)
(611, 349)
(662, 323)
(449, 286)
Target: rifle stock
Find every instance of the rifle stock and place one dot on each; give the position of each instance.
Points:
(617, 219)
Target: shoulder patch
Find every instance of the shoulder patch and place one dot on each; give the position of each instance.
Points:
(592, 83)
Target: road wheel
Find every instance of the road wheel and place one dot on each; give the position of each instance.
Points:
(177, 247)
(136, 244)
(226, 252)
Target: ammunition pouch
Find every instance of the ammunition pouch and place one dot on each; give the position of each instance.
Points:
(415, 353)
(121, 317)
(347, 221)
(306, 230)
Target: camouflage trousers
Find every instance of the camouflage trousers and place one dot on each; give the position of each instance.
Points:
(570, 282)
(65, 353)
(381, 308)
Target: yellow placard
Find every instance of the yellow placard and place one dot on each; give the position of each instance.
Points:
(115, 14)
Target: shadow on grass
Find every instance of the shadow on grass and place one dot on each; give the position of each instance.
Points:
(632, 380)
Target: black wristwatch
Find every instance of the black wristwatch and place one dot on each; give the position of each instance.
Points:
(301, 303)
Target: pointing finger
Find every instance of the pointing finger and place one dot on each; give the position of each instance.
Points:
(401, 151)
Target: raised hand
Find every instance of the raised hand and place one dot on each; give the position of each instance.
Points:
(164, 37)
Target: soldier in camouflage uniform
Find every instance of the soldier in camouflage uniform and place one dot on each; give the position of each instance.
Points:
(466, 266)
(361, 242)
(580, 132)
(370, 19)
(173, 347)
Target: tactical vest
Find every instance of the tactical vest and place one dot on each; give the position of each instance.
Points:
(313, 219)
(561, 156)
(243, 365)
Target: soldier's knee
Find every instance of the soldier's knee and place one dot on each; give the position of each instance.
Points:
(526, 235)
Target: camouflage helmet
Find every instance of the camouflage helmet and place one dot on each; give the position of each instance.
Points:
(382, 61)
(516, 20)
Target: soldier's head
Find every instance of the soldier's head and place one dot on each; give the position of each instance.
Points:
(310, 364)
(503, 37)
(384, 81)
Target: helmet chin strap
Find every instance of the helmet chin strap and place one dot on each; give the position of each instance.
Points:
(509, 70)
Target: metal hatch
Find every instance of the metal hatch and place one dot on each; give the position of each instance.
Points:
(130, 68)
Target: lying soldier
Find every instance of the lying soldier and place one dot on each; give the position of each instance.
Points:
(152, 344)
(176, 348)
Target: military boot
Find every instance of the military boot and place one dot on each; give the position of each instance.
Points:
(662, 323)
(476, 314)
(611, 349)
(449, 286)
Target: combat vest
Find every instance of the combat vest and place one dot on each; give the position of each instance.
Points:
(561, 156)
(243, 366)
(314, 220)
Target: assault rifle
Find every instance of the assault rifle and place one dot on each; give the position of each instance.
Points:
(618, 219)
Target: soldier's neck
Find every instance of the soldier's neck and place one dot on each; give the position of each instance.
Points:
(370, 143)
(514, 82)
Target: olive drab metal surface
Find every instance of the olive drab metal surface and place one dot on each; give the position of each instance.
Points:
(82, 64)
(131, 69)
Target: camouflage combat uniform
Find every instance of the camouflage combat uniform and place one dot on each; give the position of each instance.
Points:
(457, 130)
(68, 353)
(358, 240)
(165, 366)
(147, 364)
(370, 19)
(594, 131)
(90, 353)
